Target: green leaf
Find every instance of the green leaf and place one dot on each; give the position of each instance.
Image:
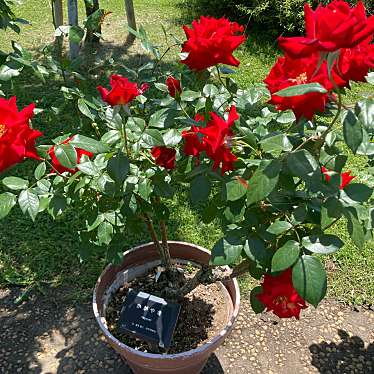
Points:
(153, 138)
(365, 113)
(84, 109)
(234, 211)
(323, 244)
(29, 202)
(66, 155)
(111, 137)
(236, 189)
(302, 164)
(309, 279)
(263, 181)
(200, 188)
(190, 95)
(285, 256)
(276, 144)
(159, 118)
(88, 144)
(367, 146)
(118, 168)
(358, 192)
(40, 170)
(301, 89)
(162, 87)
(76, 34)
(106, 184)
(7, 202)
(172, 137)
(7, 73)
(89, 168)
(57, 205)
(210, 90)
(15, 183)
(355, 228)
(278, 227)
(352, 131)
(286, 117)
(248, 135)
(370, 78)
(105, 232)
(226, 251)
(256, 251)
(256, 304)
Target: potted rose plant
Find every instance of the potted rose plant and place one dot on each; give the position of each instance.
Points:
(274, 174)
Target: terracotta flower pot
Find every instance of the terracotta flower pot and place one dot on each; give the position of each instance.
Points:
(135, 263)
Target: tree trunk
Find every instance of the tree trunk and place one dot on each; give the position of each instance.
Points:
(90, 9)
(73, 21)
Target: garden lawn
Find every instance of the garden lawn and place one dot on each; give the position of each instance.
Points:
(44, 253)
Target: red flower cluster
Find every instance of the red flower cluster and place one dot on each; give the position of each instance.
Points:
(280, 297)
(17, 138)
(346, 177)
(330, 28)
(290, 72)
(214, 139)
(336, 27)
(123, 91)
(212, 41)
(164, 156)
(56, 163)
(174, 86)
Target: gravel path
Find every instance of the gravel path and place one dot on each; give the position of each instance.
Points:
(50, 335)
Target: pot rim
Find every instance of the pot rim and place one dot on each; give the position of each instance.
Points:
(159, 356)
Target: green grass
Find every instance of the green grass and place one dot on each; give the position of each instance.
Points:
(45, 252)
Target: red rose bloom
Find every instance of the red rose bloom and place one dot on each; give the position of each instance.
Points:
(174, 86)
(217, 140)
(56, 163)
(290, 72)
(164, 156)
(193, 145)
(354, 63)
(346, 177)
(17, 139)
(212, 41)
(280, 297)
(123, 91)
(214, 139)
(330, 28)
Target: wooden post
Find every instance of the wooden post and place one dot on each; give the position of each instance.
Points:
(58, 13)
(130, 17)
(73, 21)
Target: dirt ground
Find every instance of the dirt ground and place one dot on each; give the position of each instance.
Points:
(48, 334)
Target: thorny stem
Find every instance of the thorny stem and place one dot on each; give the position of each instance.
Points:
(340, 105)
(124, 134)
(163, 55)
(54, 169)
(324, 134)
(153, 234)
(208, 275)
(164, 239)
(183, 110)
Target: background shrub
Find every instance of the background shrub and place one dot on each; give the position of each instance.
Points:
(271, 16)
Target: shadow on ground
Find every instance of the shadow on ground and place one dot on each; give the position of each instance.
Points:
(48, 335)
(349, 356)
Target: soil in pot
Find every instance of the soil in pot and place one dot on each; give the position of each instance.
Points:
(202, 316)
